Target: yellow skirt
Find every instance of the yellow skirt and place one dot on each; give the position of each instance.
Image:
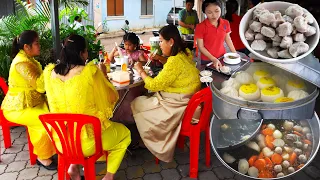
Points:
(29, 117)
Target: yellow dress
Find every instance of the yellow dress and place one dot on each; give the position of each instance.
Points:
(25, 101)
(89, 93)
(158, 117)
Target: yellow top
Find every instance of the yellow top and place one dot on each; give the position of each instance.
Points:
(273, 90)
(267, 80)
(25, 84)
(179, 75)
(283, 100)
(297, 84)
(88, 92)
(249, 88)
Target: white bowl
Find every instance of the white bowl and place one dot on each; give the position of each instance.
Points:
(228, 60)
(276, 6)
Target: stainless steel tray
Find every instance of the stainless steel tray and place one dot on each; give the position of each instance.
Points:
(243, 65)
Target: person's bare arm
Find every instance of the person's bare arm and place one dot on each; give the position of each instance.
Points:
(112, 54)
(205, 52)
(162, 59)
(186, 25)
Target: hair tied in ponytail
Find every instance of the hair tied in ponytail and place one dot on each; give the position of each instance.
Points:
(58, 61)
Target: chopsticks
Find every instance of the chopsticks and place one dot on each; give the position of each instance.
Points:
(149, 59)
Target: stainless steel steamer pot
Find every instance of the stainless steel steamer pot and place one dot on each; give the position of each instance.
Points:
(225, 107)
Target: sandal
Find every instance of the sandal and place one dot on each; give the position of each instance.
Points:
(53, 166)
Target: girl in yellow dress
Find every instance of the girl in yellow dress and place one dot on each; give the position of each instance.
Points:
(73, 87)
(25, 100)
(158, 118)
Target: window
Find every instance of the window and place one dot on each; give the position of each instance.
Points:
(146, 7)
(115, 8)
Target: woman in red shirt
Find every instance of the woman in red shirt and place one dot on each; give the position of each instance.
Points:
(234, 19)
(212, 33)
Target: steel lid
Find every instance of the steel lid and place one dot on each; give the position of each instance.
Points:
(307, 68)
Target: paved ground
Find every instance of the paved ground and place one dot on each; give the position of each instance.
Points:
(141, 165)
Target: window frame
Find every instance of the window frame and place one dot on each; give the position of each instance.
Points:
(146, 8)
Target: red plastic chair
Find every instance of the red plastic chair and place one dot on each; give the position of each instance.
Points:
(193, 131)
(72, 153)
(7, 124)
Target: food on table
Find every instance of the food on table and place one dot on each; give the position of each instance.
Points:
(286, 42)
(249, 92)
(121, 77)
(230, 91)
(294, 11)
(260, 74)
(228, 158)
(299, 37)
(206, 73)
(224, 127)
(310, 31)
(300, 24)
(259, 45)
(283, 100)
(288, 31)
(270, 94)
(298, 94)
(256, 26)
(279, 19)
(284, 29)
(298, 48)
(244, 78)
(249, 35)
(253, 145)
(295, 85)
(231, 82)
(281, 156)
(243, 166)
(259, 36)
(253, 172)
(273, 52)
(206, 79)
(267, 18)
(265, 82)
(268, 31)
(226, 69)
(284, 54)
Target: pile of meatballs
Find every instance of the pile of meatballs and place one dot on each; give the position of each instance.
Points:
(281, 35)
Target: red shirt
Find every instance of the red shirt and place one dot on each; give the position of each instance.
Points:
(213, 37)
(235, 32)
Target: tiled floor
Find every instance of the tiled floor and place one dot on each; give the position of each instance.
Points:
(141, 165)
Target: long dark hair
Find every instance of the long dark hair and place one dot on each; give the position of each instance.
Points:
(171, 31)
(70, 54)
(232, 6)
(133, 38)
(206, 3)
(26, 37)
